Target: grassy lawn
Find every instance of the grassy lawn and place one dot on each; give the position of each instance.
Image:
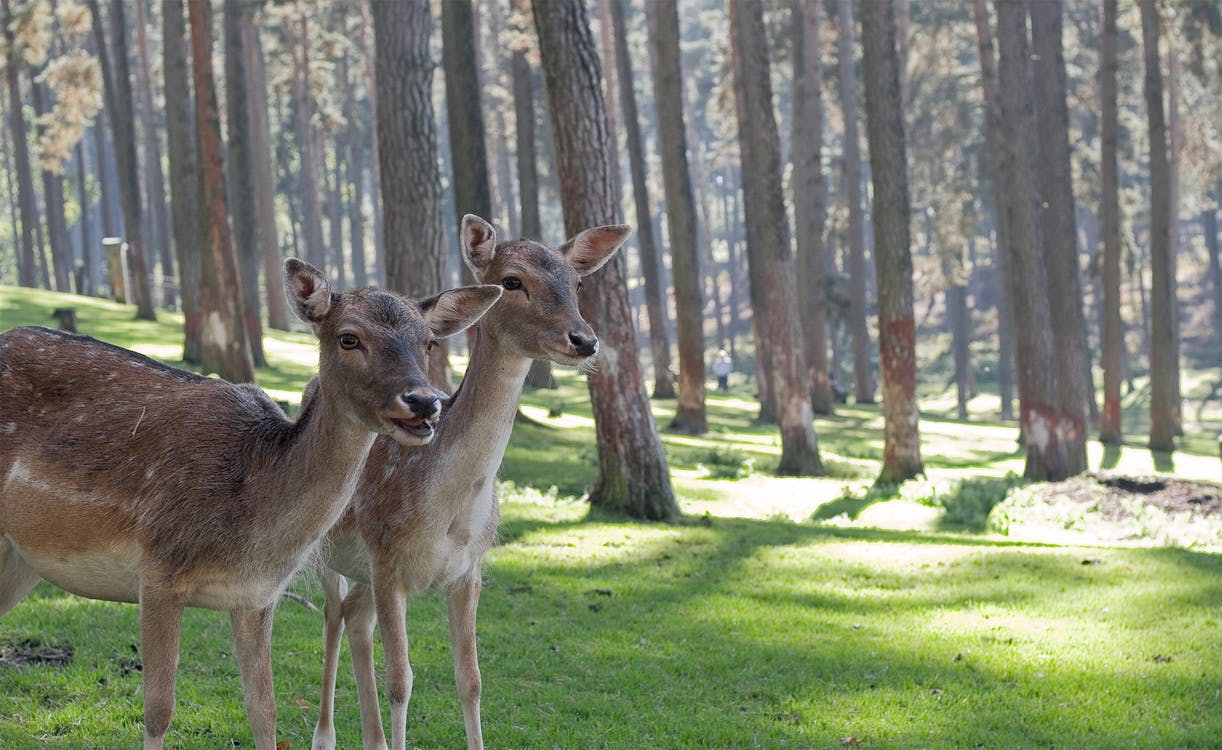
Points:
(785, 613)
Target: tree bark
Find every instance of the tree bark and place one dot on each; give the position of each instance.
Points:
(53, 204)
(407, 149)
(1037, 382)
(88, 240)
(650, 257)
(264, 179)
(27, 203)
(298, 33)
(117, 85)
(633, 476)
(1110, 419)
(810, 199)
(375, 166)
(681, 221)
(863, 372)
(768, 240)
(1060, 232)
(182, 149)
(468, 149)
(994, 139)
(892, 249)
(225, 348)
(1209, 225)
(1164, 353)
(245, 214)
(159, 223)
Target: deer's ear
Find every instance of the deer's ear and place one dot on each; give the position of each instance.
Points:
(307, 290)
(590, 250)
(478, 241)
(458, 309)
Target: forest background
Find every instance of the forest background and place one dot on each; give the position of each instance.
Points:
(1018, 201)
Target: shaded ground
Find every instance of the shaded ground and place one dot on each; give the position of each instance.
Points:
(23, 652)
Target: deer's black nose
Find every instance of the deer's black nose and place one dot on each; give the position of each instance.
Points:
(585, 346)
(422, 405)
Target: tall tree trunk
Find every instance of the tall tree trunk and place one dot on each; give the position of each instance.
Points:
(225, 349)
(633, 476)
(468, 149)
(355, 174)
(88, 241)
(264, 178)
(333, 183)
(375, 165)
(497, 139)
(994, 138)
(810, 198)
(1175, 145)
(407, 148)
(303, 114)
(650, 258)
(27, 203)
(53, 204)
(1209, 225)
(540, 375)
(117, 86)
(159, 237)
(768, 240)
(863, 373)
(1038, 392)
(1110, 420)
(681, 222)
(1060, 233)
(108, 183)
(242, 194)
(1164, 353)
(183, 151)
(892, 249)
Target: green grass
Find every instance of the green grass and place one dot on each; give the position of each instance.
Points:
(748, 626)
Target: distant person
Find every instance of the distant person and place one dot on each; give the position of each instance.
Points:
(723, 365)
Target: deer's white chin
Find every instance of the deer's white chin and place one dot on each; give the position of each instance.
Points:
(410, 432)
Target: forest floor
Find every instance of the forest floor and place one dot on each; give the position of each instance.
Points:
(963, 609)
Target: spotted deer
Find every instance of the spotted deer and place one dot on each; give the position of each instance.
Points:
(423, 518)
(123, 479)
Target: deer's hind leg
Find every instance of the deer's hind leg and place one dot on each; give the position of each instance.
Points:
(252, 638)
(16, 577)
(334, 588)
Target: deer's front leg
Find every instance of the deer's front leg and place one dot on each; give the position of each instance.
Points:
(333, 586)
(360, 617)
(390, 598)
(160, 623)
(252, 640)
(462, 601)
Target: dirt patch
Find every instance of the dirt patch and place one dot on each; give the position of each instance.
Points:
(1113, 508)
(27, 652)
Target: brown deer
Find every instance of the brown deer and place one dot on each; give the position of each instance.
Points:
(423, 518)
(124, 479)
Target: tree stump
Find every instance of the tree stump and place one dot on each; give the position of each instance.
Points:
(66, 317)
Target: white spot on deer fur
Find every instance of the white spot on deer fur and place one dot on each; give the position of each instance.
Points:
(1039, 432)
(10, 427)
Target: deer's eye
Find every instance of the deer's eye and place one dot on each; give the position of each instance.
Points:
(348, 341)
(429, 347)
(511, 282)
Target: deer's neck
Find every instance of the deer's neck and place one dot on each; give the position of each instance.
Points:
(313, 480)
(476, 426)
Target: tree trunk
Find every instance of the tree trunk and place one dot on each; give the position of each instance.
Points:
(681, 222)
(497, 139)
(650, 258)
(768, 241)
(53, 204)
(1209, 225)
(225, 348)
(355, 176)
(810, 198)
(1060, 233)
(245, 212)
(863, 373)
(407, 149)
(298, 33)
(1175, 144)
(159, 237)
(994, 139)
(88, 241)
(27, 203)
(182, 149)
(468, 149)
(892, 249)
(264, 178)
(333, 183)
(1164, 353)
(1112, 336)
(117, 85)
(633, 476)
(1038, 392)
(108, 183)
